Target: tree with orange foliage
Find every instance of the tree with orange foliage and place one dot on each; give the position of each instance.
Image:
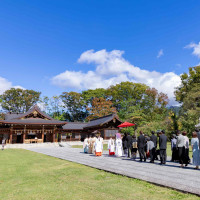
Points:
(100, 107)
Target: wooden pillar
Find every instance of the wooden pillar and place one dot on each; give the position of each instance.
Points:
(54, 133)
(43, 133)
(24, 134)
(11, 133)
(24, 137)
(59, 137)
(104, 134)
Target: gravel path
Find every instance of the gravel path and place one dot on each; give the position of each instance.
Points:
(170, 175)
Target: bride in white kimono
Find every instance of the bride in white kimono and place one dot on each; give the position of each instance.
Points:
(118, 145)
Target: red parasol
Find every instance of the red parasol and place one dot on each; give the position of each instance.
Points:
(126, 124)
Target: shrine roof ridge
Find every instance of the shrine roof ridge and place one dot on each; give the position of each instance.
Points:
(101, 120)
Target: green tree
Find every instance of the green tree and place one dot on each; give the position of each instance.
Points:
(188, 94)
(126, 94)
(2, 116)
(89, 95)
(74, 106)
(19, 100)
(138, 103)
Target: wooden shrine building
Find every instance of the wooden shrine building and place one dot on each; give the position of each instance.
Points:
(36, 126)
(106, 125)
(32, 126)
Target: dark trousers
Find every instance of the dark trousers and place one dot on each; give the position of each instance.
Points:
(181, 154)
(163, 156)
(187, 157)
(157, 153)
(152, 154)
(129, 152)
(142, 154)
(175, 154)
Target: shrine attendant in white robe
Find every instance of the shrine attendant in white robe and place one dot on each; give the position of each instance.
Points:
(118, 145)
(111, 147)
(93, 144)
(98, 147)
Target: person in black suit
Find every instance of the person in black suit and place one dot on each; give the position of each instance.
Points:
(124, 143)
(153, 138)
(129, 144)
(141, 146)
(163, 147)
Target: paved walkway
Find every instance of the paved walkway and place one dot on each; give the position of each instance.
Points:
(170, 175)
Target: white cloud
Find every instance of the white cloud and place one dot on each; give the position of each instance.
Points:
(112, 68)
(160, 53)
(5, 85)
(195, 47)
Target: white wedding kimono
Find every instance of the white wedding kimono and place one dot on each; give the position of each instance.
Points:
(118, 145)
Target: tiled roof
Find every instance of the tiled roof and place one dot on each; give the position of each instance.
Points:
(74, 126)
(32, 121)
(25, 118)
(101, 121)
(9, 116)
(35, 108)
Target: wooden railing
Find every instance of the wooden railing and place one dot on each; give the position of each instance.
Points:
(28, 141)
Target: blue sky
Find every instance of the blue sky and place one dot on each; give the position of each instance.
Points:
(47, 45)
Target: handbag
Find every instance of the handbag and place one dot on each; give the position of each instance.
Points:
(134, 145)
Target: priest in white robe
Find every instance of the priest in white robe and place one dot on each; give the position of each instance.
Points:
(98, 146)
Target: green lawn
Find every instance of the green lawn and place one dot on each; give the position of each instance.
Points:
(26, 175)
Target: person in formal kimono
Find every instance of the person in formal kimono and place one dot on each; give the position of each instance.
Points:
(86, 145)
(98, 146)
(195, 150)
(134, 147)
(90, 145)
(174, 148)
(93, 144)
(111, 147)
(118, 145)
